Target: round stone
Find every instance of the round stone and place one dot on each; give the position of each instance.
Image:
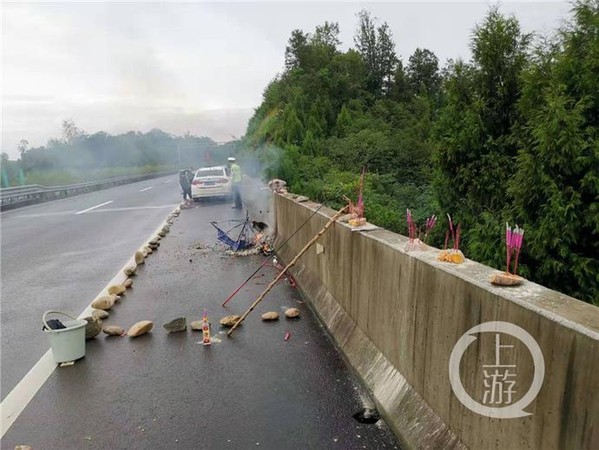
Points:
(196, 325)
(93, 327)
(113, 330)
(139, 257)
(270, 315)
(100, 314)
(116, 289)
(141, 327)
(292, 313)
(176, 325)
(229, 321)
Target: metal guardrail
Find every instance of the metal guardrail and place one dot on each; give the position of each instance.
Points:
(16, 197)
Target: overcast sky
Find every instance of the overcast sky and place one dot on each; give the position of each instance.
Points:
(198, 67)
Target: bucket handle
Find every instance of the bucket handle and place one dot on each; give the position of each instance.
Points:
(55, 312)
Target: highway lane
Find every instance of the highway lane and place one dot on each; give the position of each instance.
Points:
(257, 389)
(59, 255)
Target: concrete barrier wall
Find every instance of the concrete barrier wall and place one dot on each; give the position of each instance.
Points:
(397, 316)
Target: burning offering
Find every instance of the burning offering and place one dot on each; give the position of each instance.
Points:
(414, 232)
(513, 243)
(356, 211)
(453, 255)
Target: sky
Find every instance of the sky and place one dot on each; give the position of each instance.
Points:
(190, 66)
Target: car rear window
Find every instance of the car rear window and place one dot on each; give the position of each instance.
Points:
(210, 173)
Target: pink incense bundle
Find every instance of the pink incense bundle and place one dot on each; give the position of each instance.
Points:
(513, 244)
(454, 255)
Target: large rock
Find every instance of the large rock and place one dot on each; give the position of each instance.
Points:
(100, 314)
(292, 313)
(174, 326)
(104, 302)
(270, 315)
(141, 327)
(139, 257)
(116, 289)
(229, 321)
(113, 330)
(93, 327)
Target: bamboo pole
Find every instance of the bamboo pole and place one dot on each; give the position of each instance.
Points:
(331, 221)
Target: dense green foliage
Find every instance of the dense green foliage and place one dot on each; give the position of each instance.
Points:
(511, 135)
(78, 156)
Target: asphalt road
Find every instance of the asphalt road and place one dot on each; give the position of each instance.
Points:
(164, 391)
(55, 257)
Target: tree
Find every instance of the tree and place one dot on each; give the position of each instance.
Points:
(22, 147)
(423, 72)
(387, 56)
(296, 49)
(555, 188)
(377, 48)
(475, 143)
(327, 35)
(70, 131)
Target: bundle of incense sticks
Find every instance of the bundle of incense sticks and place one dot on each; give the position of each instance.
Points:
(455, 234)
(430, 224)
(414, 232)
(513, 243)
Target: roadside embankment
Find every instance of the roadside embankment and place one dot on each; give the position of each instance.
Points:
(399, 316)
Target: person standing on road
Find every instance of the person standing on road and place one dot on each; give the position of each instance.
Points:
(236, 182)
(185, 177)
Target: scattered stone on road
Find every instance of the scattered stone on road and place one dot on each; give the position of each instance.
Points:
(93, 327)
(23, 447)
(104, 302)
(100, 314)
(113, 330)
(141, 327)
(292, 313)
(139, 257)
(127, 283)
(270, 315)
(130, 270)
(116, 289)
(176, 325)
(196, 325)
(229, 321)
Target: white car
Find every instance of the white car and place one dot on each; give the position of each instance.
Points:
(211, 182)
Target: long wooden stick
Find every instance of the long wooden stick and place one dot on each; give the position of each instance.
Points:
(293, 261)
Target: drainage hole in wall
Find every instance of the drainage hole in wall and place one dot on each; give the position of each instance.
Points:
(367, 415)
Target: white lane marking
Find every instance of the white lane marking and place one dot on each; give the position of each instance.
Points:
(146, 189)
(16, 401)
(22, 394)
(134, 208)
(94, 207)
(66, 213)
(48, 214)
